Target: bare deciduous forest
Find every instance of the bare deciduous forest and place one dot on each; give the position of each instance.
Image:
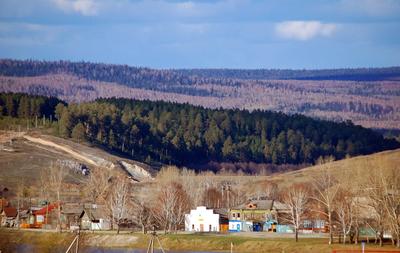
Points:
(369, 97)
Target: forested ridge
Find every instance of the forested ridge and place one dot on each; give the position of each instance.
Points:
(151, 78)
(182, 134)
(353, 74)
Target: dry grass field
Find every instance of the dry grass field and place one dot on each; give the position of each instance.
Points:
(352, 167)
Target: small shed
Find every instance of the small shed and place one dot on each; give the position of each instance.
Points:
(95, 218)
(71, 213)
(223, 219)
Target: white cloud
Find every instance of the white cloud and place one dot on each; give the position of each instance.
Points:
(304, 30)
(84, 7)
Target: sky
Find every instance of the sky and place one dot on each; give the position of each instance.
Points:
(288, 34)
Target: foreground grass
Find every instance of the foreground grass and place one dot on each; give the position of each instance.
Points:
(248, 244)
(56, 242)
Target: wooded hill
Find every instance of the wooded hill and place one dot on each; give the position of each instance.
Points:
(182, 134)
(349, 74)
(141, 76)
(369, 97)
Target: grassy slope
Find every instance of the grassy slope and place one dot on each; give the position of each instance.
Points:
(346, 167)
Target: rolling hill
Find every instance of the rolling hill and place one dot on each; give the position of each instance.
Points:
(369, 97)
(360, 166)
(183, 134)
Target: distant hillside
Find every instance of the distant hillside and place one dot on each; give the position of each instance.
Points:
(367, 96)
(357, 74)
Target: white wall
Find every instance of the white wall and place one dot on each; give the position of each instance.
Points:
(201, 220)
(102, 225)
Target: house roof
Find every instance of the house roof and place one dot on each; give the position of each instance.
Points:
(221, 211)
(95, 213)
(10, 212)
(44, 210)
(72, 208)
(23, 213)
(256, 205)
(279, 206)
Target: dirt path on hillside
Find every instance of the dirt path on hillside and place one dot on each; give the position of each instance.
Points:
(68, 150)
(6, 136)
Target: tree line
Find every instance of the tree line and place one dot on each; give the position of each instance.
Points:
(27, 106)
(156, 79)
(353, 74)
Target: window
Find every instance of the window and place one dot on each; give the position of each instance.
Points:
(192, 226)
(209, 227)
(307, 224)
(319, 224)
(234, 215)
(238, 215)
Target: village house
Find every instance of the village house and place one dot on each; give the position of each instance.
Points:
(202, 219)
(256, 215)
(8, 217)
(70, 215)
(95, 218)
(271, 216)
(44, 217)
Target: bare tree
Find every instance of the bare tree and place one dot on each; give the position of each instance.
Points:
(345, 212)
(213, 198)
(119, 200)
(21, 193)
(172, 204)
(390, 183)
(375, 195)
(296, 197)
(181, 208)
(98, 184)
(194, 185)
(142, 215)
(57, 175)
(325, 187)
(45, 189)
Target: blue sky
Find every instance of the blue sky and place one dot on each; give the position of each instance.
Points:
(204, 34)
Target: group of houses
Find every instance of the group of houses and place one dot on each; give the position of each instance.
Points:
(253, 216)
(72, 216)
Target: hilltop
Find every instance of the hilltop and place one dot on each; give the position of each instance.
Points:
(367, 96)
(354, 167)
